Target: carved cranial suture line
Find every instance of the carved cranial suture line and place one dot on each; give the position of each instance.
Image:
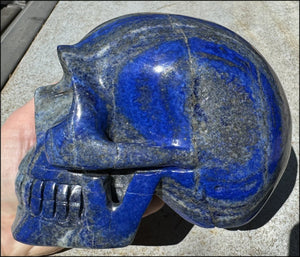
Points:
(151, 104)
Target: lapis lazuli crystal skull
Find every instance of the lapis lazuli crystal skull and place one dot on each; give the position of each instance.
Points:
(151, 104)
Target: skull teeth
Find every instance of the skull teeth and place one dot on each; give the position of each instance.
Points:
(52, 200)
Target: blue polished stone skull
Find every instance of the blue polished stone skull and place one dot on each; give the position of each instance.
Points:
(151, 104)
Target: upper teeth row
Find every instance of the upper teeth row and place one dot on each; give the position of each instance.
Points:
(51, 200)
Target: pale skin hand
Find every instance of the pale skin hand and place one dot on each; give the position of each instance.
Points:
(17, 138)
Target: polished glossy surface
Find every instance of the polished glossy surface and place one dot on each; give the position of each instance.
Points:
(152, 104)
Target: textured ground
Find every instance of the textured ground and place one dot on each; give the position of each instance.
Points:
(273, 29)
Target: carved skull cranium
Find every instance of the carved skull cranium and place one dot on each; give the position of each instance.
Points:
(151, 104)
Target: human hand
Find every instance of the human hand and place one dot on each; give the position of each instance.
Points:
(17, 138)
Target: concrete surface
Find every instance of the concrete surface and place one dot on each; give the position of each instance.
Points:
(17, 37)
(273, 29)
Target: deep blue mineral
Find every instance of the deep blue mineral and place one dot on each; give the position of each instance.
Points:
(151, 104)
